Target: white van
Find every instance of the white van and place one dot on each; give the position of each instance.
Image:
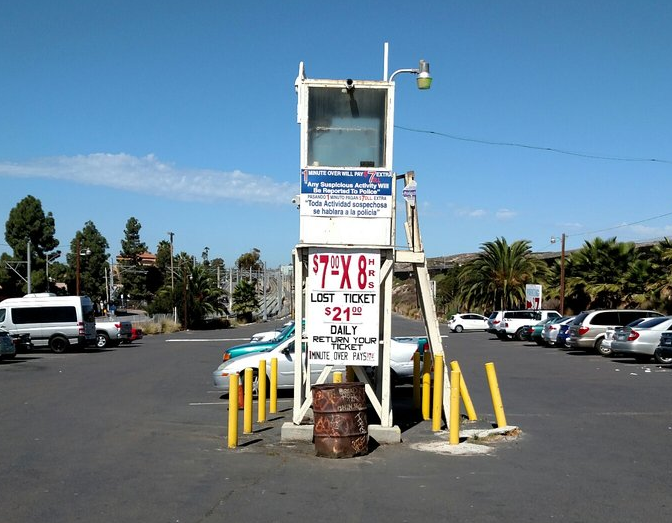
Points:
(57, 322)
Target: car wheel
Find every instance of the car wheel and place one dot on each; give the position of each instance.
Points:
(458, 328)
(58, 344)
(605, 351)
(661, 359)
(102, 340)
(519, 334)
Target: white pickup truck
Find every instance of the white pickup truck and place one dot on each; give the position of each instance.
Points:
(111, 332)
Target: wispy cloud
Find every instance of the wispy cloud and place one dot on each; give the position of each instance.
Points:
(505, 214)
(643, 231)
(149, 175)
(471, 213)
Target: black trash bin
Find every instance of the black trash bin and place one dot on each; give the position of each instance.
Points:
(341, 428)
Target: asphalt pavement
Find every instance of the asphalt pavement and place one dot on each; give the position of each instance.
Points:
(138, 433)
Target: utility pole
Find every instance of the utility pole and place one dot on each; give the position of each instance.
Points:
(28, 275)
(562, 274)
(172, 276)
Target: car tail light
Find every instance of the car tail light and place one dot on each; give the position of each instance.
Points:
(117, 325)
(633, 335)
(81, 328)
(495, 322)
(583, 330)
(551, 328)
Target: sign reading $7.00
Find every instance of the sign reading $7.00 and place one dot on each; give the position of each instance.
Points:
(343, 309)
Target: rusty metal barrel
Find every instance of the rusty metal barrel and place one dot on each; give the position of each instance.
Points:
(341, 428)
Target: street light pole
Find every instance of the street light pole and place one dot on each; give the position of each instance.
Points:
(79, 254)
(263, 282)
(77, 275)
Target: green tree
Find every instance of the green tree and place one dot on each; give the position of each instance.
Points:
(659, 286)
(88, 249)
(27, 222)
(596, 275)
(132, 273)
(245, 300)
(249, 261)
(497, 277)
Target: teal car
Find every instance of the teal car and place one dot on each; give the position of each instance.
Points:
(249, 348)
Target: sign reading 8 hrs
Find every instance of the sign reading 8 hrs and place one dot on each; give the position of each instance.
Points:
(342, 313)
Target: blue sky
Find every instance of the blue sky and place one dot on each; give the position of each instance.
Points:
(183, 115)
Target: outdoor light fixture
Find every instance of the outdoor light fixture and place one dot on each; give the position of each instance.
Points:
(424, 78)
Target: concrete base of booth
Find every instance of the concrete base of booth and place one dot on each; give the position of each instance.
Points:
(382, 435)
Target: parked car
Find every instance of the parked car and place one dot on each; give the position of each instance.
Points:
(246, 348)
(112, 332)
(136, 334)
(269, 335)
(467, 322)
(537, 330)
(641, 341)
(605, 346)
(512, 323)
(563, 334)
(283, 351)
(664, 348)
(588, 328)
(7, 347)
(22, 342)
(551, 330)
(494, 320)
(57, 322)
(402, 349)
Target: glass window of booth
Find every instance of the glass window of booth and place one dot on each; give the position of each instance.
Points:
(346, 127)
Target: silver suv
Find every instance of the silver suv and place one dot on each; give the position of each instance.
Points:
(588, 328)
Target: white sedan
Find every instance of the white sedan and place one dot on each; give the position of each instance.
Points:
(284, 352)
(468, 322)
(401, 363)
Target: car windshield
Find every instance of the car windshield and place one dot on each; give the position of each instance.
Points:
(284, 332)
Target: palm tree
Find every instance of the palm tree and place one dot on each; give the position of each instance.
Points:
(659, 286)
(596, 273)
(497, 278)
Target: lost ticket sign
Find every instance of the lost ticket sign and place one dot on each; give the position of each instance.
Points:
(342, 307)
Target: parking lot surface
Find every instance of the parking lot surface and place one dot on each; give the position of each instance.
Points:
(138, 433)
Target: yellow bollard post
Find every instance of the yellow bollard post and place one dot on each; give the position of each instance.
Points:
(438, 393)
(497, 404)
(274, 386)
(338, 377)
(261, 399)
(349, 374)
(233, 411)
(454, 425)
(247, 409)
(426, 384)
(466, 398)
(416, 380)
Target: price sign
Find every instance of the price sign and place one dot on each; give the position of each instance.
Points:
(342, 313)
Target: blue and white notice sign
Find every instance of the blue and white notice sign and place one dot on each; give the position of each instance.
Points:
(352, 193)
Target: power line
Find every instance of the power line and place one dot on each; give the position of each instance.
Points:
(619, 226)
(535, 147)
